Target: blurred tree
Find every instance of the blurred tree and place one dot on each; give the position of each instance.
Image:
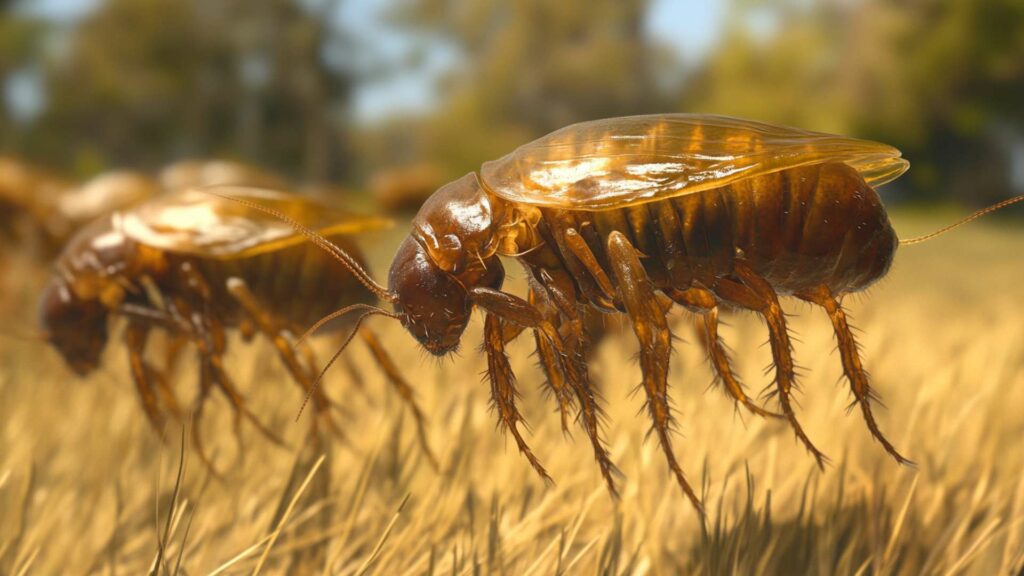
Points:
(941, 79)
(20, 37)
(142, 82)
(295, 97)
(529, 67)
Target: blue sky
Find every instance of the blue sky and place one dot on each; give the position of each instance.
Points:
(690, 27)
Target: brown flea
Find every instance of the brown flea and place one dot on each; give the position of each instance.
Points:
(217, 172)
(631, 216)
(37, 207)
(405, 188)
(195, 265)
(29, 204)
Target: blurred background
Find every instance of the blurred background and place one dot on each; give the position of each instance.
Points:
(106, 103)
(378, 93)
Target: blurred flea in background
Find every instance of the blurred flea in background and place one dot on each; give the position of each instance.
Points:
(52, 208)
(30, 204)
(214, 172)
(333, 92)
(195, 265)
(105, 193)
(38, 205)
(404, 189)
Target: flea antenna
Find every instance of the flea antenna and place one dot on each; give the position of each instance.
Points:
(971, 218)
(337, 354)
(323, 243)
(338, 314)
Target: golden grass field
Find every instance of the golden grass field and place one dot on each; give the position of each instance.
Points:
(86, 487)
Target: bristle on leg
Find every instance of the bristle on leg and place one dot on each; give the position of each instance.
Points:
(852, 367)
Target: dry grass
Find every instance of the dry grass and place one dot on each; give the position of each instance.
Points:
(85, 487)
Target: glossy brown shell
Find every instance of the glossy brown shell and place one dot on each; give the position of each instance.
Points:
(210, 224)
(619, 162)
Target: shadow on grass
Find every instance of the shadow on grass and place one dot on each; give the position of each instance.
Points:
(868, 534)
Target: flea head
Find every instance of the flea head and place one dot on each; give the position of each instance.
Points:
(449, 253)
(75, 326)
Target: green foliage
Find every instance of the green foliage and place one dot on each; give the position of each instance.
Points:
(142, 82)
(943, 80)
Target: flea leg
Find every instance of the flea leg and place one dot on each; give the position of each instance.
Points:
(178, 324)
(205, 385)
(552, 366)
(755, 293)
(703, 302)
(176, 342)
(852, 367)
(211, 344)
(556, 296)
(387, 364)
(590, 408)
(503, 389)
(518, 311)
(135, 340)
(578, 246)
(575, 370)
(271, 329)
(577, 367)
(554, 377)
(227, 385)
(142, 319)
(651, 328)
(513, 309)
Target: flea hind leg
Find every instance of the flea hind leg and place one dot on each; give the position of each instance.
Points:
(852, 367)
(387, 364)
(704, 303)
(755, 293)
(651, 327)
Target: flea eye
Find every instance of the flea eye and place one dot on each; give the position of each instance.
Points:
(451, 242)
(451, 257)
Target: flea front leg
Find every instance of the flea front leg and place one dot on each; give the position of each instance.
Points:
(516, 310)
(503, 389)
